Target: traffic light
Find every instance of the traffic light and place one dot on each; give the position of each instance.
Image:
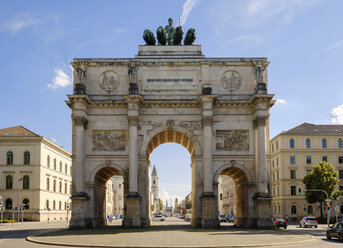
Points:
(299, 191)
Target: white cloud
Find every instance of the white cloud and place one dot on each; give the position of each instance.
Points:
(19, 23)
(186, 9)
(61, 79)
(54, 140)
(120, 30)
(165, 196)
(281, 101)
(337, 115)
(246, 37)
(335, 45)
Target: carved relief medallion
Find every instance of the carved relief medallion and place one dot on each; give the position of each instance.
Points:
(108, 81)
(231, 80)
(109, 140)
(232, 140)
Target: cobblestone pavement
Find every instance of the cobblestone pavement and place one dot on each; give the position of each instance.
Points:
(171, 233)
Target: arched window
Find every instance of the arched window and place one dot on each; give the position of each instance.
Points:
(48, 161)
(26, 158)
(54, 205)
(291, 143)
(293, 209)
(54, 163)
(54, 186)
(310, 209)
(60, 187)
(9, 182)
(66, 169)
(60, 205)
(323, 143)
(47, 205)
(26, 203)
(26, 182)
(47, 184)
(308, 143)
(65, 188)
(9, 204)
(340, 143)
(60, 166)
(9, 159)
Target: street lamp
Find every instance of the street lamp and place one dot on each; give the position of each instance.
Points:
(18, 205)
(326, 200)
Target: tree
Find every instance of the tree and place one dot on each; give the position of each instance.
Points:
(160, 204)
(152, 208)
(188, 204)
(322, 177)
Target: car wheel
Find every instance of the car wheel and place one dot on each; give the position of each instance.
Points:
(315, 226)
(299, 225)
(340, 238)
(328, 236)
(285, 227)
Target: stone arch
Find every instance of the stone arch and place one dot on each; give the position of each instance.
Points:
(98, 178)
(242, 179)
(176, 134)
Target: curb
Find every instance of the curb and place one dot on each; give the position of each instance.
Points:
(33, 240)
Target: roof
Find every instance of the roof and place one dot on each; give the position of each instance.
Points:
(17, 131)
(154, 171)
(308, 128)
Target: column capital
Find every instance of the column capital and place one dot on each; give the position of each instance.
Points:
(133, 121)
(80, 121)
(207, 121)
(260, 121)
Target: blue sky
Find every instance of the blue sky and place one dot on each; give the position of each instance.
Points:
(301, 38)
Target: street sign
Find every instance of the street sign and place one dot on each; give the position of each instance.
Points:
(327, 200)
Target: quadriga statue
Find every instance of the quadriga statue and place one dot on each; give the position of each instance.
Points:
(190, 37)
(161, 35)
(149, 38)
(178, 36)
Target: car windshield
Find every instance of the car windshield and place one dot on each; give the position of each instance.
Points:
(314, 219)
(279, 220)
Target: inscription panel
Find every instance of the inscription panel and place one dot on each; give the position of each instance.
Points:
(232, 140)
(109, 140)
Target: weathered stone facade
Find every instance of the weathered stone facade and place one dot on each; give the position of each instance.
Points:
(217, 108)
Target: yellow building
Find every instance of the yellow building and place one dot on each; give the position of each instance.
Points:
(34, 172)
(293, 155)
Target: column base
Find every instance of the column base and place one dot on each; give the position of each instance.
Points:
(209, 217)
(264, 209)
(78, 213)
(132, 217)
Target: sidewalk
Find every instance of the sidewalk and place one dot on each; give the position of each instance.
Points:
(170, 236)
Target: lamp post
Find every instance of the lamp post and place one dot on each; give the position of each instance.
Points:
(18, 205)
(68, 205)
(326, 200)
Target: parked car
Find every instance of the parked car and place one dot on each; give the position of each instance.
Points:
(159, 217)
(308, 221)
(277, 223)
(222, 218)
(109, 217)
(335, 231)
(232, 218)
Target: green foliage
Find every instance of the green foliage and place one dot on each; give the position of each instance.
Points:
(152, 208)
(161, 204)
(189, 204)
(322, 177)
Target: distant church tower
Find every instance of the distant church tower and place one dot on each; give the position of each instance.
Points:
(154, 189)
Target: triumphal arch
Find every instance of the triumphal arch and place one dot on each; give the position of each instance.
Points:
(123, 108)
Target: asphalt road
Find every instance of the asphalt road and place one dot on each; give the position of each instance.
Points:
(15, 237)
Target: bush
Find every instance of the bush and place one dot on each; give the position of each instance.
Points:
(322, 220)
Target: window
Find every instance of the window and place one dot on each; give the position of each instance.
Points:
(54, 205)
(308, 143)
(293, 209)
(9, 159)
(66, 169)
(308, 159)
(291, 143)
(308, 171)
(272, 147)
(310, 209)
(277, 162)
(292, 159)
(60, 205)
(48, 161)
(26, 158)
(277, 175)
(60, 166)
(54, 163)
(273, 191)
(9, 182)
(273, 164)
(47, 184)
(340, 159)
(47, 204)
(340, 174)
(279, 209)
(221, 196)
(340, 143)
(26, 182)
(323, 143)
(273, 176)
(325, 158)
(65, 188)
(54, 186)
(293, 176)
(65, 205)
(60, 187)
(26, 203)
(119, 186)
(277, 145)
(278, 191)
(9, 204)
(293, 190)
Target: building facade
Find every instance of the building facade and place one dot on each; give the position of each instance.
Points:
(228, 196)
(293, 155)
(118, 195)
(35, 173)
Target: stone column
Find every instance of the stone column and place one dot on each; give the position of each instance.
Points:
(133, 156)
(260, 122)
(207, 153)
